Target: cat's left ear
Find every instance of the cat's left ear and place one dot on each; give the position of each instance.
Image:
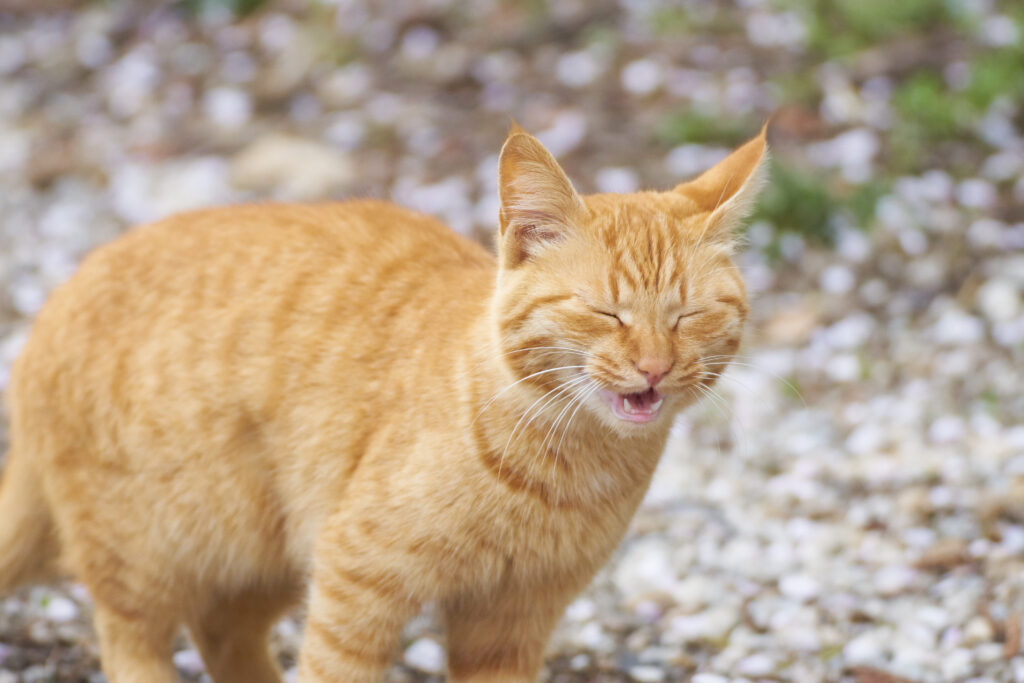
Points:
(538, 202)
(727, 191)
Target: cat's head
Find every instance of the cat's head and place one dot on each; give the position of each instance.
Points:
(620, 305)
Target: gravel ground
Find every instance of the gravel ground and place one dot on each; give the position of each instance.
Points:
(849, 507)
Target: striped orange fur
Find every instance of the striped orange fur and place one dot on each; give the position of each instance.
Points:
(229, 411)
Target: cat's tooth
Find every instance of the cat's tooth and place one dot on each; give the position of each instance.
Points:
(625, 404)
(656, 405)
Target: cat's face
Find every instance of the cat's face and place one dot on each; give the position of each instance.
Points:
(623, 306)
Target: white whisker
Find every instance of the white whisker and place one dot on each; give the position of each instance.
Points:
(523, 379)
(560, 388)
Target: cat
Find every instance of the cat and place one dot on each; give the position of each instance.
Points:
(230, 411)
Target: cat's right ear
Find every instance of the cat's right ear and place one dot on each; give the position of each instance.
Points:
(538, 202)
(726, 192)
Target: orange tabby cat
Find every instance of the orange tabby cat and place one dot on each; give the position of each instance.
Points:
(234, 409)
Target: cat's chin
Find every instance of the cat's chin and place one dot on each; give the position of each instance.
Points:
(641, 407)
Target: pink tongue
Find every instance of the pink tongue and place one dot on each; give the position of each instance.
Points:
(643, 400)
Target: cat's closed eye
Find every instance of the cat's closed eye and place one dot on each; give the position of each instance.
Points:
(688, 314)
(608, 314)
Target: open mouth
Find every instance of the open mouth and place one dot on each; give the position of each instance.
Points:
(642, 406)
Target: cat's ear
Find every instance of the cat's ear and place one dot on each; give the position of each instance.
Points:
(538, 202)
(727, 191)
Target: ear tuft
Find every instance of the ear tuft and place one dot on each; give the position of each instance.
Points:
(514, 129)
(727, 191)
(538, 202)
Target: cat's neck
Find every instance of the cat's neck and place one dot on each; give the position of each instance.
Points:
(552, 444)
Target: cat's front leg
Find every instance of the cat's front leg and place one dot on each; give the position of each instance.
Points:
(360, 598)
(501, 638)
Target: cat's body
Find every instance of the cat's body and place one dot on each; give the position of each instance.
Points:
(221, 406)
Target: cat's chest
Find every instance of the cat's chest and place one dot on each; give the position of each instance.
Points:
(569, 522)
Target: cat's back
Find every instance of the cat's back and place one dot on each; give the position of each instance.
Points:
(207, 300)
(266, 243)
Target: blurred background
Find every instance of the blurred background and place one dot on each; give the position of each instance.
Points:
(850, 507)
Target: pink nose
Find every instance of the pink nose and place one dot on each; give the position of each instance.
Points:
(653, 369)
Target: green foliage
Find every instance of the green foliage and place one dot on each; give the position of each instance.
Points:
(672, 21)
(695, 127)
(923, 100)
(796, 88)
(797, 202)
(998, 73)
(236, 7)
(863, 200)
(840, 27)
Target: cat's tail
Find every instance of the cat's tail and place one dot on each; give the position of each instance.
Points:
(28, 539)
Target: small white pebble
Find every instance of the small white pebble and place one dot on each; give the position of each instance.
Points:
(976, 193)
(189, 662)
(425, 655)
(617, 179)
(420, 42)
(593, 637)
(956, 328)
(641, 77)
(837, 279)
(61, 609)
(579, 662)
(999, 30)
(581, 610)
(978, 630)
(947, 429)
(956, 664)
(709, 678)
(227, 107)
(759, 664)
(1017, 664)
(893, 579)
(647, 674)
(578, 69)
(1000, 299)
(799, 586)
(843, 367)
(864, 649)
(988, 652)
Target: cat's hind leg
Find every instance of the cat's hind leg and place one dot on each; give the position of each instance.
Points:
(232, 636)
(137, 603)
(135, 648)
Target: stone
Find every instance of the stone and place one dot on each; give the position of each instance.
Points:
(709, 678)
(801, 587)
(757, 665)
(641, 77)
(189, 661)
(425, 654)
(867, 648)
(578, 69)
(647, 674)
(944, 555)
(143, 192)
(999, 299)
(60, 609)
(978, 630)
(646, 570)
(291, 168)
(227, 107)
(617, 179)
